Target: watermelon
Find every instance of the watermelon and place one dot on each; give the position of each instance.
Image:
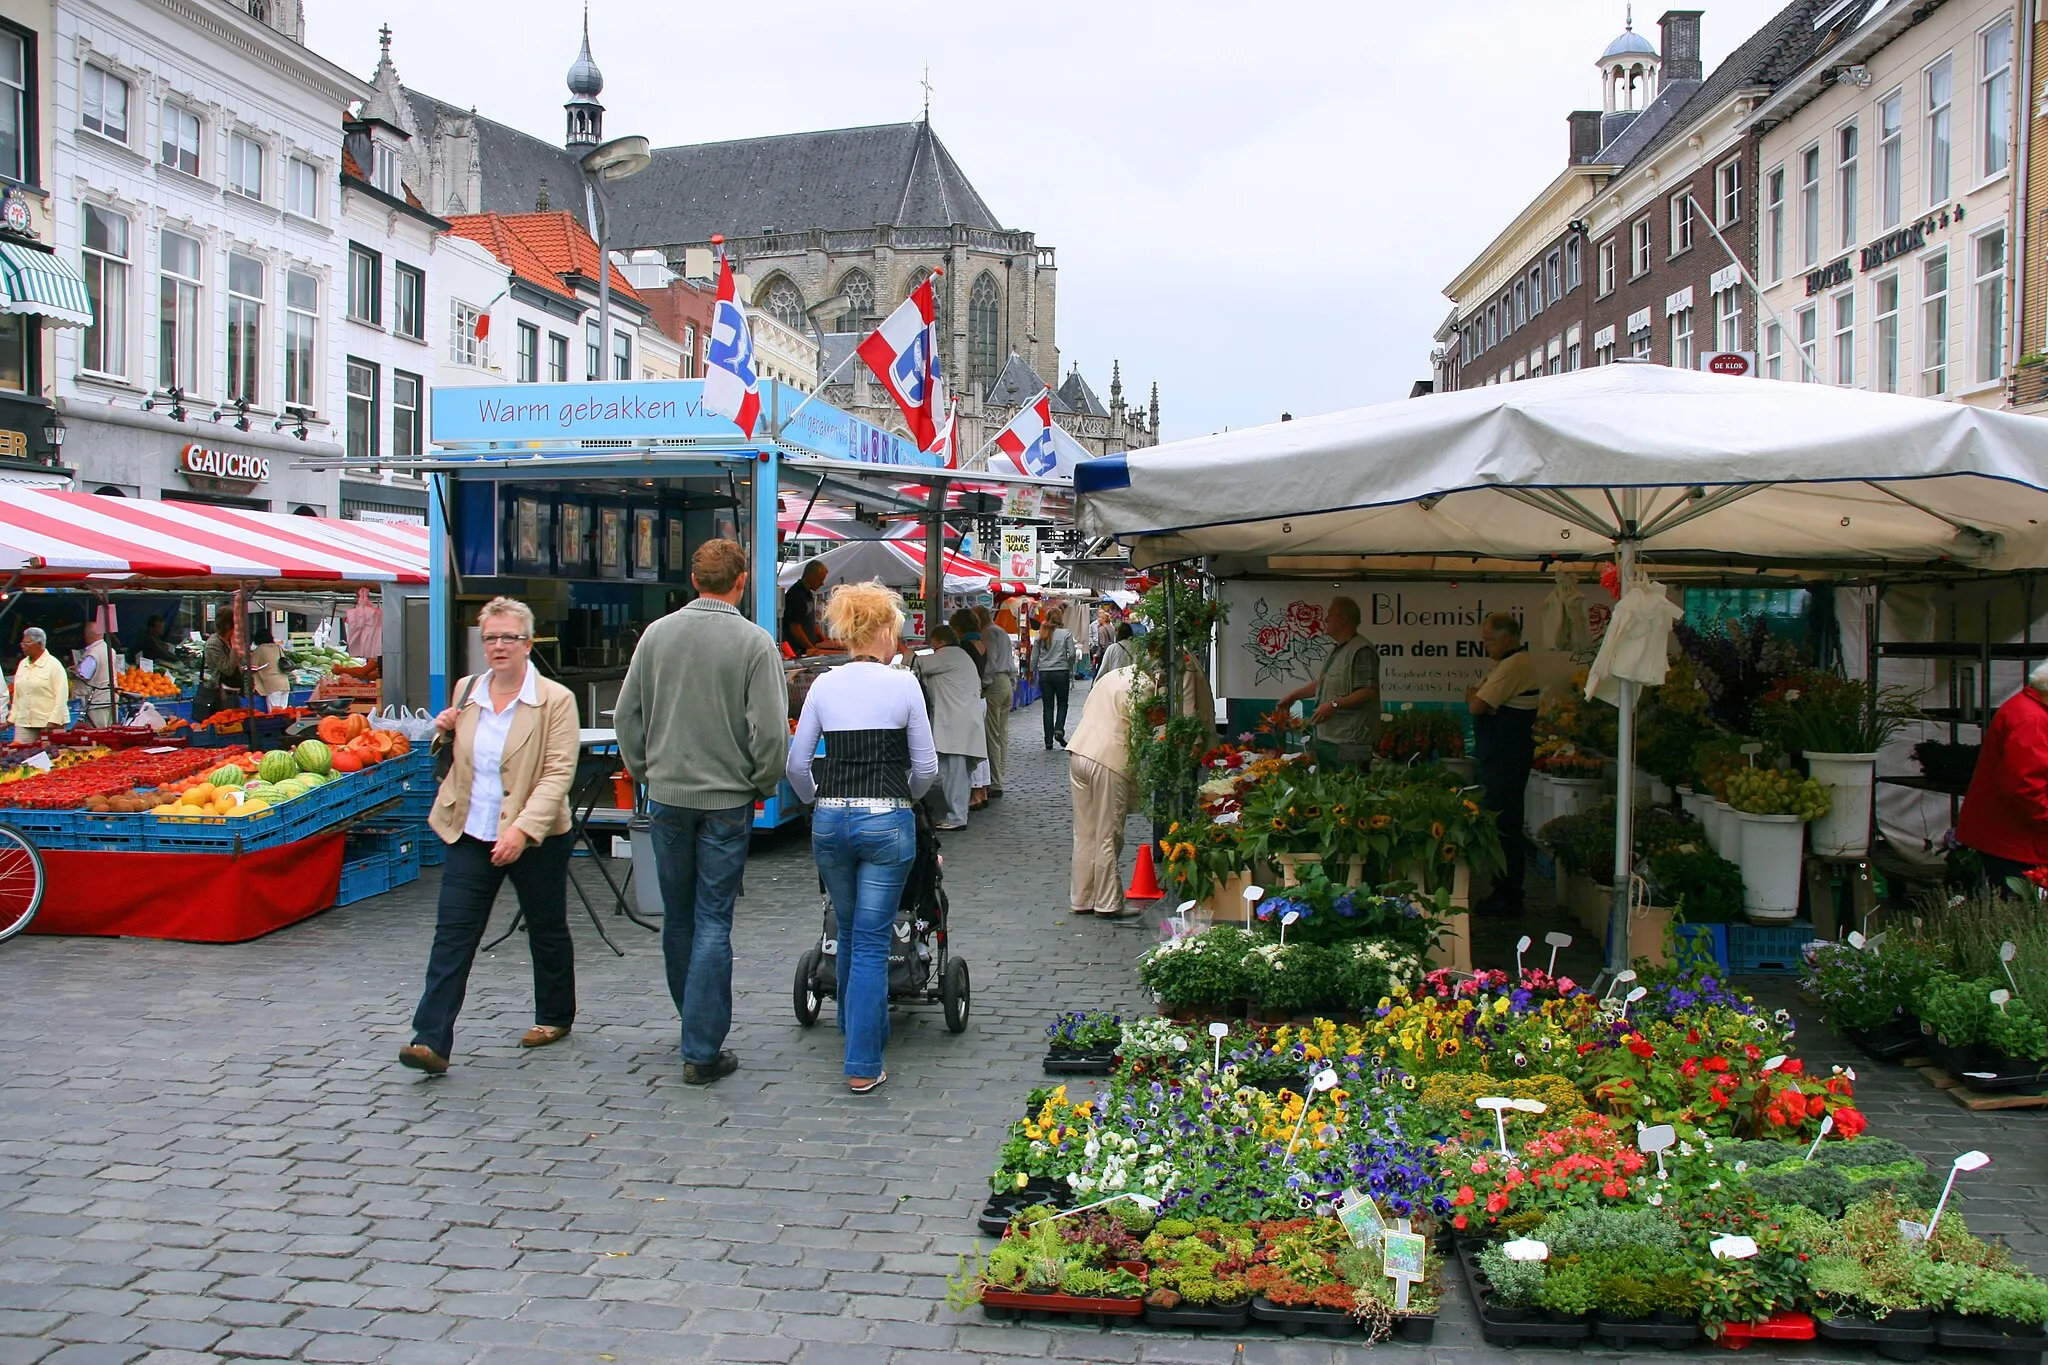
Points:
(276, 766)
(313, 756)
(227, 775)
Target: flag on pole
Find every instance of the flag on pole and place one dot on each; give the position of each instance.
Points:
(731, 386)
(1029, 441)
(944, 444)
(904, 354)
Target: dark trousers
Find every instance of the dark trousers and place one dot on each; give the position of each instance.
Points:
(700, 857)
(1058, 686)
(1998, 871)
(1507, 790)
(469, 884)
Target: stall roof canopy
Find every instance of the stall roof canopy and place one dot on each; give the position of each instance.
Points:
(90, 538)
(900, 564)
(1693, 467)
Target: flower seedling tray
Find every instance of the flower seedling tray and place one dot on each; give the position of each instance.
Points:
(1893, 1340)
(1294, 1322)
(1776, 1327)
(1621, 1333)
(1418, 1329)
(1975, 1334)
(1515, 1328)
(1889, 1042)
(1078, 1061)
(1963, 1090)
(1228, 1317)
(1003, 1304)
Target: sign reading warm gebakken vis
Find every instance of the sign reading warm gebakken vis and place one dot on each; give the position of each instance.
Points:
(515, 416)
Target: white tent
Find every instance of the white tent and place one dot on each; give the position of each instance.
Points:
(898, 563)
(1625, 459)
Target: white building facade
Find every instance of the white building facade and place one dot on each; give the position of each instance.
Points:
(196, 178)
(1886, 228)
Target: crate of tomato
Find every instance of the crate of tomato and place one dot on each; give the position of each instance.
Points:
(63, 790)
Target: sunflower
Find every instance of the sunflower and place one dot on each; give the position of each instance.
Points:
(1436, 829)
(1279, 825)
(1450, 853)
(1382, 821)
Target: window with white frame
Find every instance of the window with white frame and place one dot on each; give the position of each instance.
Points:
(465, 347)
(301, 327)
(1987, 286)
(180, 149)
(1774, 352)
(104, 257)
(409, 313)
(1553, 277)
(1489, 330)
(1934, 319)
(365, 285)
(1994, 97)
(1681, 222)
(529, 353)
(245, 328)
(1940, 82)
(1884, 334)
(1844, 306)
(1681, 339)
(1554, 358)
(1572, 276)
(17, 124)
(622, 355)
(1847, 165)
(179, 317)
(1728, 192)
(1640, 345)
(362, 409)
(690, 348)
(1521, 302)
(593, 351)
(1809, 344)
(558, 358)
(1603, 351)
(1728, 318)
(1604, 264)
(245, 166)
(405, 413)
(1573, 350)
(1891, 160)
(1639, 248)
(103, 102)
(1774, 224)
(1809, 207)
(301, 187)
(384, 168)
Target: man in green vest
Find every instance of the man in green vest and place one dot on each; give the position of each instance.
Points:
(1347, 692)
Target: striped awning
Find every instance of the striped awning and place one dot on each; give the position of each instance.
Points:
(36, 281)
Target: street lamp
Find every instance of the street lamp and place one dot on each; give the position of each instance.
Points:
(53, 435)
(614, 160)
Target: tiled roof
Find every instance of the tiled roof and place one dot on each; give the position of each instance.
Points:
(1079, 397)
(540, 248)
(1017, 385)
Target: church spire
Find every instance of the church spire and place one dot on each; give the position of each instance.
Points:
(1155, 409)
(586, 83)
(1116, 387)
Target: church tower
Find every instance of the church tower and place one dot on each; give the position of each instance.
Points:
(586, 83)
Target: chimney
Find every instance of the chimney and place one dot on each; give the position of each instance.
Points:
(1585, 134)
(1681, 46)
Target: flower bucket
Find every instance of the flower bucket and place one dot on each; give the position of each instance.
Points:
(1696, 804)
(1651, 791)
(1845, 830)
(1463, 767)
(1647, 925)
(1771, 851)
(1723, 831)
(1570, 795)
(1536, 805)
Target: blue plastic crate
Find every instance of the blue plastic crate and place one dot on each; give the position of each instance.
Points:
(405, 865)
(432, 851)
(362, 878)
(1713, 936)
(1768, 950)
(388, 839)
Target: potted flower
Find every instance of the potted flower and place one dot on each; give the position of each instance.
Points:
(1838, 725)
(1197, 1273)
(1200, 972)
(1083, 1043)
(1869, 995)
(1774, 808)
(1509, 1288)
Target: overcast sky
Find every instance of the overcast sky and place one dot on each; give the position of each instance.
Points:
(1259, 208)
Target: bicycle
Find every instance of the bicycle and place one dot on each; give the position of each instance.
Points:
(21, 881)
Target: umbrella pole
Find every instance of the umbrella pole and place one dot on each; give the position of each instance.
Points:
(1625, 781)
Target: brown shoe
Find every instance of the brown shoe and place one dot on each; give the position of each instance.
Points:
(420, 1057)
(540, 1035)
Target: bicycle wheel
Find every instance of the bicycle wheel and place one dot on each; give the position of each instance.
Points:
(21, 881)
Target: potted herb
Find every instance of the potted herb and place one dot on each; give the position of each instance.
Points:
(1198, 1273)
(2005, 1301)
(1773, 807)
(1956, 1013)
(1511, 1287)
(1199, 972)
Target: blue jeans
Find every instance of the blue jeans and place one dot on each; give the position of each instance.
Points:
(699, 856)
(1056, 686)
(864, 857)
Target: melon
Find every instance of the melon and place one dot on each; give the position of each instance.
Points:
(227, 775)
(277, 765)
(313, 756)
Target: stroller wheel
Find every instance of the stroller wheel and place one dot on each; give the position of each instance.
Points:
(956, 994)
(806, 997)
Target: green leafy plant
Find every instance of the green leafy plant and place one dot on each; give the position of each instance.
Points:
(1817, 712)
(1515, 1284)
(1710, 885)
(1771, 791)
(1201, 971)
(2004, 1294)
(1863, 989)
(1959, 1010)
(1570, 1289)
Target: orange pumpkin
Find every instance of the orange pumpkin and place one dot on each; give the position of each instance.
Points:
(381, 739)
(332, 731)
(345, 761)
(400, 745)
(357, 725)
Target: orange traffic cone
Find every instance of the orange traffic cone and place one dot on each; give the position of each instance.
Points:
(1144, 879)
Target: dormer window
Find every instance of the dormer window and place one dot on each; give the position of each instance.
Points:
(384, 168)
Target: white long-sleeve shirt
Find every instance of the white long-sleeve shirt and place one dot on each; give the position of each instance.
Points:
(862, 697)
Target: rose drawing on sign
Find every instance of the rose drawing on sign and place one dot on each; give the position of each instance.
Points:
(1288, 642)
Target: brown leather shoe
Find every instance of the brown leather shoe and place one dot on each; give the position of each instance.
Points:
(420, 1057)
(540, 1035)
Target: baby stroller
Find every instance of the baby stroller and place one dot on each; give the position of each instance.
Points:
(921, 964)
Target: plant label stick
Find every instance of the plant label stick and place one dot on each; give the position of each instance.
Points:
(1498, 1104)
(1556, 939)
(1252, 896)
(1966, 1161)
(1290, 917)
(1361, 1217)
(1657, 1141)
(1218, 1030)
(2007, 951)
(1402, 1261)
(1827, 1125)
(1999, 998)
(1521, 946)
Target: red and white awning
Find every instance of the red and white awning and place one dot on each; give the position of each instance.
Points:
(51, 536)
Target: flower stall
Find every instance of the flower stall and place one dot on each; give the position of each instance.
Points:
(1633, 1169)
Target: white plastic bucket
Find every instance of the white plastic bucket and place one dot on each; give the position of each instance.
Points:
(1845, 830)
(1771, 857)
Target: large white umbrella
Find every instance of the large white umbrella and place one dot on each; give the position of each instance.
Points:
(1696, 468)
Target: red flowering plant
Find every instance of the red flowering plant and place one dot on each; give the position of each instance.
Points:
(1305, 1263)
(1712, 1071)
(1585, 1163)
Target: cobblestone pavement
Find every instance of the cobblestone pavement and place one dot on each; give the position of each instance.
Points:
(209, 1152)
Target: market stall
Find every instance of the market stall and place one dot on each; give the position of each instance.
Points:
(1626, 464)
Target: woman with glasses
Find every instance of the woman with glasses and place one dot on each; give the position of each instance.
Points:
(878, 759)
(503, 811)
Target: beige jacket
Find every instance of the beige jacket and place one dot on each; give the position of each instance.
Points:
(539, 765)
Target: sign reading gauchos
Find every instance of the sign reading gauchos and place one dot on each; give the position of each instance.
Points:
(223, 464)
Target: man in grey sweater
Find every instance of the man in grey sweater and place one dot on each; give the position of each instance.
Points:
(703, 721)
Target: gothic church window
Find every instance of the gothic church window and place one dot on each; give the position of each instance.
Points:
(984, 331)
(858, 289)
(780, 298)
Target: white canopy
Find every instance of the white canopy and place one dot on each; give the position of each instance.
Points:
(1721, 470)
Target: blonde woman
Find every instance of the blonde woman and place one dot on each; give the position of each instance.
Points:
(878, 760)
(503, 811)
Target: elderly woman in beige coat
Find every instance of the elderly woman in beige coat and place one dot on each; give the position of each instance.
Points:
(952, 686)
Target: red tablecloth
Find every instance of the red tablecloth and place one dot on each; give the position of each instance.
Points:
(193, 897)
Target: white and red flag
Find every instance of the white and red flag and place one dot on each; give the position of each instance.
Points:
(1028, 439)
(904, 355)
